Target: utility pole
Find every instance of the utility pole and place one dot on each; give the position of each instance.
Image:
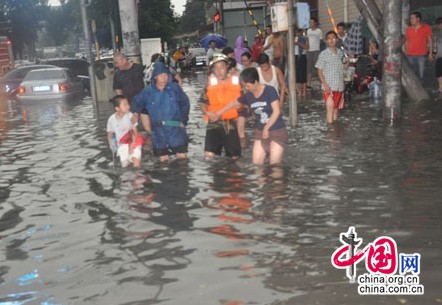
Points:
(221, 21)
(293, 107)
(89, 57)
(405, 15)
(113, 33)
(392, 59)
(129, 29)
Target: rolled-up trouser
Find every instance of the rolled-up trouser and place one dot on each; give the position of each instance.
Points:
(125, 156)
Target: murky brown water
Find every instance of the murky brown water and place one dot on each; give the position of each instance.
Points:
(75, 231)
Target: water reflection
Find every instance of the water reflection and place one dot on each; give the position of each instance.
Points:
(76, 230)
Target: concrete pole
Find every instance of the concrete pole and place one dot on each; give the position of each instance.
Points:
(392, 59)
(405, 15)
(410, 82)
(221, 21)
(113, 34)
(129, 29)
(293, 107)
(89, 57)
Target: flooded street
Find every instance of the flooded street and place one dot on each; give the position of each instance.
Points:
(74, 229)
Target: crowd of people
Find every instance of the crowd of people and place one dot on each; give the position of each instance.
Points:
(243, 82)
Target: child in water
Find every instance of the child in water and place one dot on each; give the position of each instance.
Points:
(128, 142)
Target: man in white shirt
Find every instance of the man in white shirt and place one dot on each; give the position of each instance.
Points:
(315, 37)
(268, 43)
(212, 50)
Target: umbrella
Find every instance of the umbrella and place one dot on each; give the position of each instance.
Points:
(353, 43)
(220, 40)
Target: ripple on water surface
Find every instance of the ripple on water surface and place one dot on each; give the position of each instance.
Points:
(74, 230)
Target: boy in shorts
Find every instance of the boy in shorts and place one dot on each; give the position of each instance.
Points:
(128, 142)
(331, 64)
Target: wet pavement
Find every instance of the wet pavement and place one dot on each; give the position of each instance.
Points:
(76, 230)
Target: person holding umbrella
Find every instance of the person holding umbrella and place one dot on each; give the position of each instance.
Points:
(212, 50)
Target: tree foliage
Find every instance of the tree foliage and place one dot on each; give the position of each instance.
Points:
(156, 18)
(103, 11)
(194, 16)
(25, 17)
(60, 21)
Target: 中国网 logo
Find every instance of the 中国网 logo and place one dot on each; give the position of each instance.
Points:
(389, 272)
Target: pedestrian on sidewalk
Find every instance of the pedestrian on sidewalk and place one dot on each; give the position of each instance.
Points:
(168, 107)
(314, 35)
(127, 144)
(418, 43)
(270, 134)
(330, 65)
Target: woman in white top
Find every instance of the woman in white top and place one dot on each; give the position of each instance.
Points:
(272, 76)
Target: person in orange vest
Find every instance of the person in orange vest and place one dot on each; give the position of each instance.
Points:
(221, 131)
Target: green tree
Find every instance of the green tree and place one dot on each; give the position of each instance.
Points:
(194, 16)
(25, 17)
(60, 21)
(104, 12)
(156, 18)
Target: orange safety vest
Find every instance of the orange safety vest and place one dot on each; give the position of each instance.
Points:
(222, 93)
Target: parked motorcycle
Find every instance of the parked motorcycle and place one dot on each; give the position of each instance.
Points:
(354, 83)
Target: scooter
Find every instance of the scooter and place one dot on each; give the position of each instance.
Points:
(351, 78)
(354, 82)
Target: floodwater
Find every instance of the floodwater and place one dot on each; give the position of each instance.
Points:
(74, 229)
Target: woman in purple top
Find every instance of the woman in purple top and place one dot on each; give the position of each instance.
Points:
(263, 100)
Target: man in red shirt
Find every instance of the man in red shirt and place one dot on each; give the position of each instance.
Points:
(418, 40)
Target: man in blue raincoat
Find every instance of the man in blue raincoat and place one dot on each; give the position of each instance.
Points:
(168, 107)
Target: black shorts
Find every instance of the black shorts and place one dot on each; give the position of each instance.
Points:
(170, 151)
(245, 112)
(219, 137)
(439, 67)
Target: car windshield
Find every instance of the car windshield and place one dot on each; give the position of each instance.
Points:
(77, 66)
(44, 75)
(20, 73)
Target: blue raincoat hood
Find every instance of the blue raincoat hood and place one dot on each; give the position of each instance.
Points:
(159, 68)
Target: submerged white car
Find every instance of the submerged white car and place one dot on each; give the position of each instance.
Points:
(199, 57)
(51, 83)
